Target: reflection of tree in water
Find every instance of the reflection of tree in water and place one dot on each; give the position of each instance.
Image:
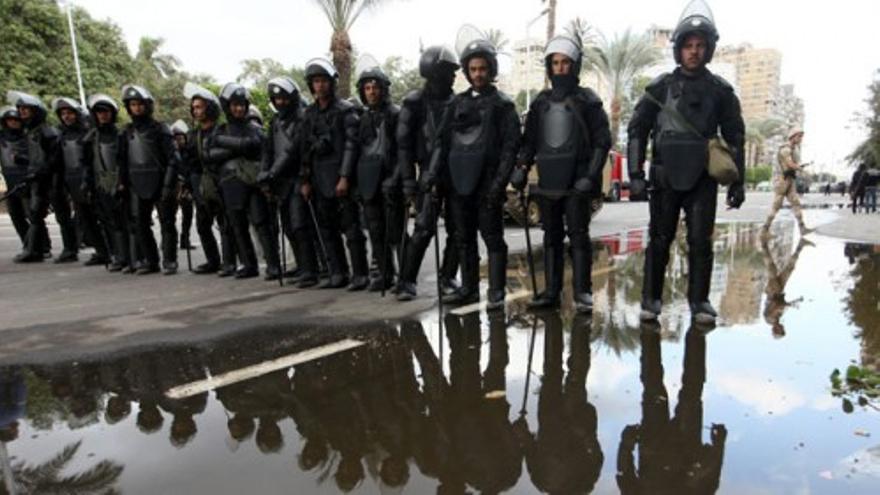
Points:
(862, 306)
(564, 455)
(671, 455)
(48, 478)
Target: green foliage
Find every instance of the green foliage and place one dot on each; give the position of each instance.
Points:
(758, 174)
(868, 151)
(37, 57)
(859, 386)
(404, 78)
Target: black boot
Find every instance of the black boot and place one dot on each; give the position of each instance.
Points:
(307, 259)
(269, 245)
(337, 265)
(553, 273)
(414, 252)
(360, 271)
(497, 280)
(469, 292)
(581, 266)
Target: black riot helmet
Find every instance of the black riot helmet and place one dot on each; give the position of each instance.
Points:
(192, 91)
(321, 67)
(368, 69)
(234, 92)
(438, 62)
(20, 99)
(99, 100)
(132, 92)
(696, 18)
(286, 87)
(483, 49)
(179, 127)
(8, 112)
(567, 46)
(59, 104)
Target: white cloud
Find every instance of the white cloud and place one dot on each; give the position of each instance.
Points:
(765, 397)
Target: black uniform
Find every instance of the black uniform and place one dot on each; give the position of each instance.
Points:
(478, 151)
(281, 172)
(149, 173)
(184, 196)
(567, 134)
(421, 116)
(103, 181)
(678, 175)
(13, 165)
(75, 165)
(41, 143)
(237, 148)
(377, 159)
(329, 150)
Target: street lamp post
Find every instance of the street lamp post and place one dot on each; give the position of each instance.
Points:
(529, 57)
(82, 93)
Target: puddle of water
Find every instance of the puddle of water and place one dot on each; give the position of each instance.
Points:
(497, 403)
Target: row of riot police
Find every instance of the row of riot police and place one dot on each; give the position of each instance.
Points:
(326, 165)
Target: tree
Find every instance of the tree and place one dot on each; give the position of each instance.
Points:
(37, 56)
(868, 151)
(342, 15)
(757, 134)
(48, 477)
(256, 73)
(582, 31)
(404, 78)
(618, 62)
(497, 38)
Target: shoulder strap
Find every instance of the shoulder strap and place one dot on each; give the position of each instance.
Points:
(675, 114)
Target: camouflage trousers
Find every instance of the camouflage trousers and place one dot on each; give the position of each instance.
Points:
(785, 189)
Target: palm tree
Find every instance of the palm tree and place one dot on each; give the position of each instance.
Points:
(618, 62)
(757, 134)
(342, 15)
(47, 478)
(582, 31)
(150, 57)
(497, 38)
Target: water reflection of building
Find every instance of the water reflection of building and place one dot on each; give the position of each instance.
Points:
(738, 261)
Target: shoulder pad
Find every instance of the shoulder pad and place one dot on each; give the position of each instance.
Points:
(393, 110)
(504, 100)
(51, 132)
(412, 98)
(658, 81)
(589, 96)
(722, 82)
(345, 105)
(164, 129)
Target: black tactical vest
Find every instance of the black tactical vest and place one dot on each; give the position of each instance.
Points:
(144, 166)
(559, 137)
(471, 137)
(105, 164)
(374, 155)
(73, 155)
(10, 147)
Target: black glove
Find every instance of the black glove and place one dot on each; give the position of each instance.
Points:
(427, 182)
(265, 177)
(584, 185)
(519, 178)
(637, 186)
(410, 189)
(86, 192)
(497, 193)
(736, 195)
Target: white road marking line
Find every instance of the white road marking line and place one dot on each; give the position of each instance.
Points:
(260, 369)
(480, 306)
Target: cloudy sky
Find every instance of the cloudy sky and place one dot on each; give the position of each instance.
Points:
(828, 49)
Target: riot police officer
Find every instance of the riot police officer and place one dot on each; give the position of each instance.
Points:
(679, 179)
(567, 133)
(41, 142)
(204, 184)
(478, 147)
(280, 174)
(12, 146)
(103, 171)
(150, 175)
(329, 150)
(237, 147)
(378, 156)
(73, 129)
(421, 115)
(180, 131)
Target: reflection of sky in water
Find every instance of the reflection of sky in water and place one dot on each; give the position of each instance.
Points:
(786, 433)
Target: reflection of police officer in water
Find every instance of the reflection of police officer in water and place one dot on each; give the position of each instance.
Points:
(672, 458)
(679, 177)
(776, 304)
(13, 396)
(564, 456)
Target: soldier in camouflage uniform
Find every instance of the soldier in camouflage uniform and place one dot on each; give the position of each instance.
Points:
(789, 164)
